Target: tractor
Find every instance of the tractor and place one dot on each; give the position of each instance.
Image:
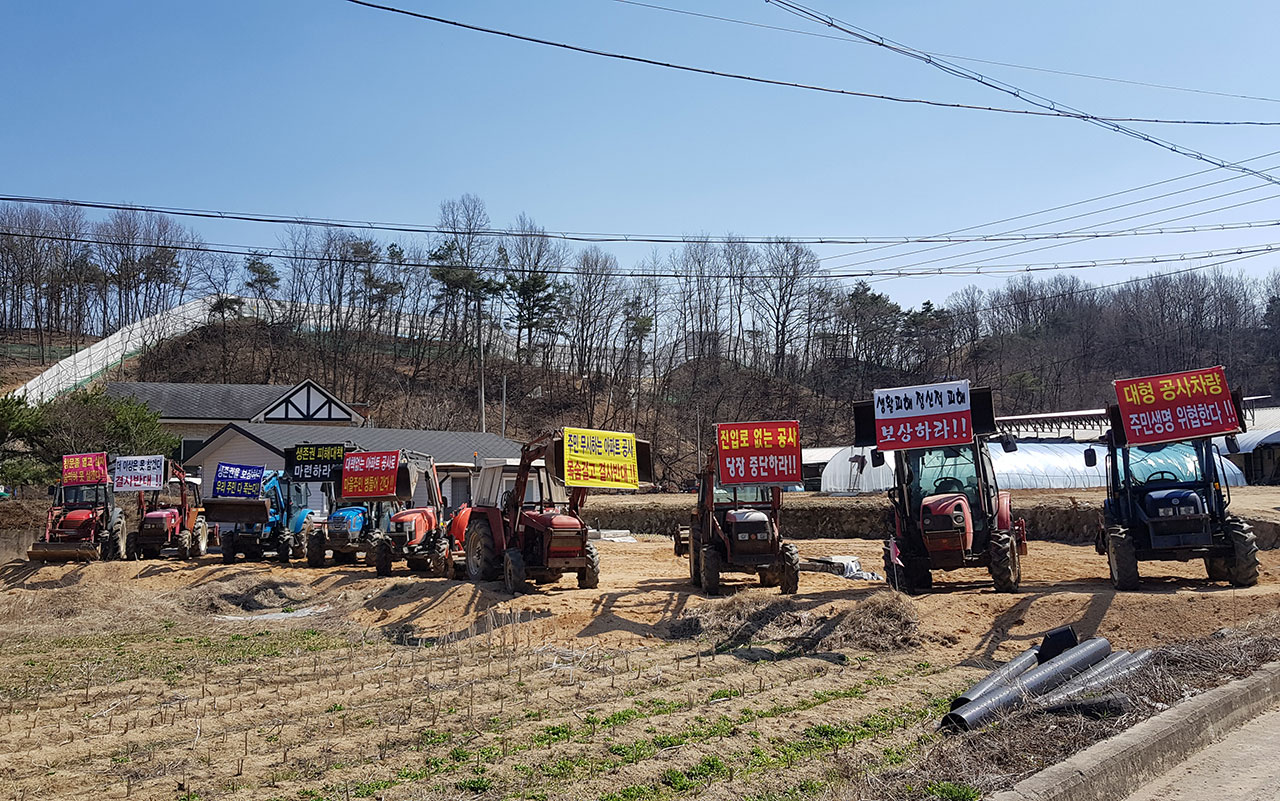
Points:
(736, 529)
(947, 511)
(278, 520)
(83, 524)
(525, 525)
(386, 528)
(1168, 502)
(170, 518)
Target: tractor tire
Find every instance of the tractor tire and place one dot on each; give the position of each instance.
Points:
(1218, 568)
(1005, 566)
(709, 567)
(284, 549)
(1122, 558)
(229, 549)
(513, 575)
(382, 557)
(202, 537)
(315, 547)
(589, 575)
(113, 545)
(440, 564)
(482, 560)
(131, 551)
(1244, 567)
(695, 564)
(788, 569)
(186, 544)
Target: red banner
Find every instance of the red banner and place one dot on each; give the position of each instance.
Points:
(84, 468)
(926, 416)
(1177, 406)
(759, 453)
(370, 475)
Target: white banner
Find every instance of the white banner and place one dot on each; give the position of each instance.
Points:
(134, 473)
(923, 400)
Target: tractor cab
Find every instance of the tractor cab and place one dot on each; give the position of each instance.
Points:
(83, 524)
(955, 489)
(1172, 489)
(748, 515)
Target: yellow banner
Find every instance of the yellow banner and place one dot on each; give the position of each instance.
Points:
(600, 459)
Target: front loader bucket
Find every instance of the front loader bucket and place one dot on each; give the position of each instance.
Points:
(63, 552)
(237, 510)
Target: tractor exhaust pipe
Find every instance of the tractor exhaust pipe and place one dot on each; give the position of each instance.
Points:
(1038, 681)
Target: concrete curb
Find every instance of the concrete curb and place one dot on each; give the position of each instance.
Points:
(1114, 768)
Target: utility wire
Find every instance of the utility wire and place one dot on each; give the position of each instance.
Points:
(247, 251)
(320, 222)
(1031, 98)
(795, 85)
(936, 54)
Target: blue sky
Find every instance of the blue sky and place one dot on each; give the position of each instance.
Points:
(323, 108)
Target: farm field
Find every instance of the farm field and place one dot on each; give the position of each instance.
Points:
(173, 680)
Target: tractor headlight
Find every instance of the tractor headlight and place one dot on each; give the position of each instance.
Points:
(1167, 511)
(957, 517)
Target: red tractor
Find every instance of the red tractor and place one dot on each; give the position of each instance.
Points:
(948, 511)
(83, 524)
(524, 525)
(170, 518)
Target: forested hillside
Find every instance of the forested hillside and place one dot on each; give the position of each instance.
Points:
(712, 329)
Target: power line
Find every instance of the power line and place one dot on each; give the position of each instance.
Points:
(1024, 95)
(788, 84)
(935, 54)
(320, 222)
(247, 251)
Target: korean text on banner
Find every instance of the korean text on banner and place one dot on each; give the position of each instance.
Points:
(1176, 406)
(314, 462)
(370, 475)
(600, 459)
(926, 416)
(139, 473)
(759, 453)
(84, 468)
(237, 480)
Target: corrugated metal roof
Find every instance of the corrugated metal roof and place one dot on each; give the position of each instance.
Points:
(443, 446)
(200, 401)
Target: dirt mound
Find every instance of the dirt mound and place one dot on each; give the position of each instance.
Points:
(884, 621)
(240, 594)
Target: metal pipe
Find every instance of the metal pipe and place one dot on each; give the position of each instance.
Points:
(1037, 681)
(1002, 676)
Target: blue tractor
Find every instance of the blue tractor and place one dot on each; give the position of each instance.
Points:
(1168, 502)
(278, 520)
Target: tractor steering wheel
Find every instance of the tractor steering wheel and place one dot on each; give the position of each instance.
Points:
(506, 499)
(1160, 475)
(948, 484)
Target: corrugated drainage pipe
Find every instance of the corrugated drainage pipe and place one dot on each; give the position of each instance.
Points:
(1045, 678)
(1101, 679)
(1002, 676)
(1115, 660)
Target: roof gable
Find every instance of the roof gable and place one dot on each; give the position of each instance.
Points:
(443, 446)
(307, 402)
(199, 401)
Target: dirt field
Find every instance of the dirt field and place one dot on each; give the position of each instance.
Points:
(171, 680)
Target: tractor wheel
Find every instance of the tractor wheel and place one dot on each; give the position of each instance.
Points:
(788, 569)
(440, 565)
(202, 537)
(513, 577)
(315, 546)
(284, 549)
(229, 549)
(709, 566)
(1122, 558)
(1005, 567)
(589, 575)
(113, 545)
(896, 575)
(131, 546)
(186, 543)
(382, 557)
(482, 562)
(1218, 568)
(1244, 567)
(695, 564)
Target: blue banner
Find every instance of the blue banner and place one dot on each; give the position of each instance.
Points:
(237, 481)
